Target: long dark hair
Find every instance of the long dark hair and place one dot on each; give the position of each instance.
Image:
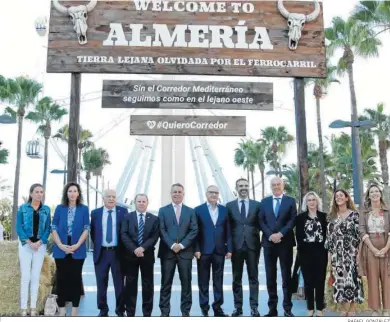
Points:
(367, 200)
(35, 185)
(334, 209)
(65, 199)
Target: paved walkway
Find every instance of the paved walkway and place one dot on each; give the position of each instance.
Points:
(88, 303)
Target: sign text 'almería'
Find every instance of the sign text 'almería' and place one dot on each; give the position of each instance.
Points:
(239, 38)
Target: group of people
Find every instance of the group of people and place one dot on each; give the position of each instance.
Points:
(347, 244)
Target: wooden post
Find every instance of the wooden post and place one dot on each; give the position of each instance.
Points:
(74, 126)
(300, 122)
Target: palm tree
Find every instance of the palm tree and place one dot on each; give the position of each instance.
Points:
(62, 134)
(4, 153)
(245, 157)
(83, 144)
(91, 161)
(105, 158)
(276, 140)
(46, 112)
(381, 131)
(260, 155)
(20, 92)
(320, 88)
(353, 39)
(94, 160)
(374, 14)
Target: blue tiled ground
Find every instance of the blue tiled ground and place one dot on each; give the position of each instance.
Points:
(88, 305)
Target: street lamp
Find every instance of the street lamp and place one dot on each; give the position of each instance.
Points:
(7, 119)
(57, 171)
(357, 170)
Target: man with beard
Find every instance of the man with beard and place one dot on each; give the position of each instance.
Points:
(278, 213)
(244, 217)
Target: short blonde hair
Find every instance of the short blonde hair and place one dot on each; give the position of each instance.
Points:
(304, 201)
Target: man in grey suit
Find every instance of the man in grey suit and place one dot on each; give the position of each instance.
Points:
(244, 217)
(178, 230)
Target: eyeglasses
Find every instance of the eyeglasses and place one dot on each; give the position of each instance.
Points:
(213, 192)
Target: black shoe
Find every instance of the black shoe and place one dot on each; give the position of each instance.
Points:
(164, 315)
(120, 314)
(186, 315)
(220, 313)
(255, 313)
(271, 314)
(288, 314)
(205, 313)
(237, 312)
(103, 313)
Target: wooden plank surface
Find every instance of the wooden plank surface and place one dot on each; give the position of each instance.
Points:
(186, 125)
(187, 95)
(63, 47)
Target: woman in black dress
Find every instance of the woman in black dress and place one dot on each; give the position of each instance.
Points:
(311, 227)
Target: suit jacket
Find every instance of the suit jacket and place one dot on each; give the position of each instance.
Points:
(212, 238)
(247, 230)
(300, 227)
(97, 230)
(172, 232)
(129, 234)
(283, 223)
(80, 224)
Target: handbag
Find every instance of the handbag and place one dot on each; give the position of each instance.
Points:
(51, 306)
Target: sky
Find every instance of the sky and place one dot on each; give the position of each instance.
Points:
(24, 53)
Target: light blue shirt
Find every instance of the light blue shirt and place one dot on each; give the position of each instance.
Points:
(275, 201)
(114, 241)
(246, 205)
(213, 213)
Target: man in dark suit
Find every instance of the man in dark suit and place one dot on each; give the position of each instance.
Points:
(244, 216)
(178, 230)
(107, 250)
(140, 232)
(213, 243)
(278, 213)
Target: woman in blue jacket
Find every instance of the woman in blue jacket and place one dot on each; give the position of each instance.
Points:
(33, 228)
(70, 231)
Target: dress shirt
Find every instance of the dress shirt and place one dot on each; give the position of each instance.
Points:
(213, 213)
(275, 201)
(174, 210)
(274, 206)
(114, 241)
(246, 205)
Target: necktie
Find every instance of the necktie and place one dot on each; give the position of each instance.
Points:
(243, 210)
(141, 230)
(109, 227)
(178, 213)
(277, 206)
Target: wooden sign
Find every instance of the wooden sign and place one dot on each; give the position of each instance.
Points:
(237, 38)
(187, 95)
(187, 125)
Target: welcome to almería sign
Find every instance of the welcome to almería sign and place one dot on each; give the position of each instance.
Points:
(241, 38)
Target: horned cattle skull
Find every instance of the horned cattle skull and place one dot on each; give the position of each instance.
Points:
(79, 16)
(296, 22)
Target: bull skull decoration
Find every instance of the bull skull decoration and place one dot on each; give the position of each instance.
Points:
(296, 22)
(79, 16)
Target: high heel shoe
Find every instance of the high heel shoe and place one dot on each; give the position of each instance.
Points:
(320, 313)
(24, 313)
(310, 313)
